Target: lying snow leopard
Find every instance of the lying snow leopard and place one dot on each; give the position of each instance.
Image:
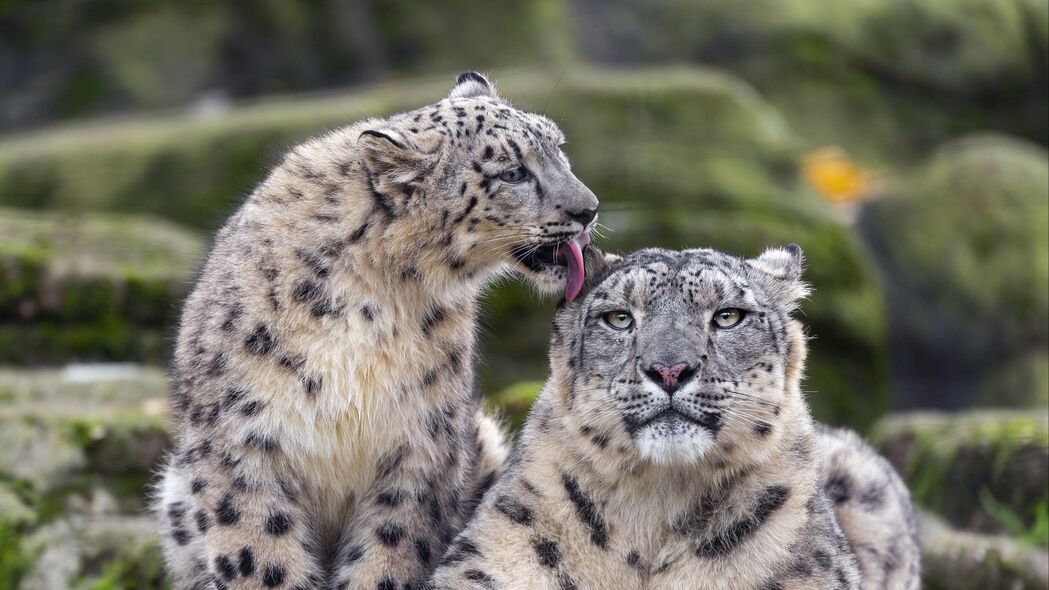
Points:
(671, 447)
(327, 428)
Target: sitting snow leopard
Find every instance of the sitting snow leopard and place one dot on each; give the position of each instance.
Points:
(327, 426)
(671, 447)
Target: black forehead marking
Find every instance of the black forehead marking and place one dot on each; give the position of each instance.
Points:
(692, 263)
(538, 133)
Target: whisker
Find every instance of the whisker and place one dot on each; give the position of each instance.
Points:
(753, 421)
(753, 399)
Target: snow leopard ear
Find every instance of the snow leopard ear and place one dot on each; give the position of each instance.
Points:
(395, 165)
(597, 263)
(780, 270)
(387, 151)
(472, 85)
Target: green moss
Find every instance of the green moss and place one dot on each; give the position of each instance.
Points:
(515, 401)
(17, 517)
(108, 339)
(91, 287)
(999, 459)
(138, 567)
(69, 442)
(1032, 527)
(959, 560)
(76, 268)
(15, 560)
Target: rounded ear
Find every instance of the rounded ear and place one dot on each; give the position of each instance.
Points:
(783, 263)
(381, 138)
(471, 85)
(385, 150)
(782, 268)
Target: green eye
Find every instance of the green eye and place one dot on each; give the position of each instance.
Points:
(728, 317)
(619, 320)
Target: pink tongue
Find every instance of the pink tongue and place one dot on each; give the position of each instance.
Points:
(574, 259)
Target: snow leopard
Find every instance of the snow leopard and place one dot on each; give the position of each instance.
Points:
(671, 447)
(327, 428)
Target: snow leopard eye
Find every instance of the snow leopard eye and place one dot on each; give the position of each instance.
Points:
(515, 176)
(619, 320)
(728, 317)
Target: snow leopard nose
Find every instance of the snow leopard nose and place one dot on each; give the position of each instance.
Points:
(583, 216)
(672, 377)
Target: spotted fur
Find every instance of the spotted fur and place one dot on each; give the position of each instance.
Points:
(327, 429)
(873, 507)
(676, 454)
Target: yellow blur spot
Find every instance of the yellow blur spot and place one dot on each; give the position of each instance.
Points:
(836, 178)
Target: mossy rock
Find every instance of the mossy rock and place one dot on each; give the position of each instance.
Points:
(16, 519)
(89, 286)
(194, 170)
(887, 80)
(109, 553)
(982, 470)
(120, 57)
(78, 448)
(961, 560)
(962, 46)
(964, 246)
(75, 442)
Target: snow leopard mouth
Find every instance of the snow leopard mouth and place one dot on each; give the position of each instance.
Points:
(562, 257)
(671, 415)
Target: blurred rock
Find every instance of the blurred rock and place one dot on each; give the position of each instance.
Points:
(78, 447)
(887, 80)
(97, 553)
(959, 560)
(88, 286)
(964, 248)
(82, 446)
(680, 157)
(983, 471)
(115, 56)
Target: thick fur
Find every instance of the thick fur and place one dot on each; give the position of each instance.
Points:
(327, 427)
(621, 482)
(874, 509)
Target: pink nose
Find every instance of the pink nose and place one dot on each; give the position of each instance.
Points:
(668, 375)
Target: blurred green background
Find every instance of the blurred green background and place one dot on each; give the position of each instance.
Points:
(901, 143)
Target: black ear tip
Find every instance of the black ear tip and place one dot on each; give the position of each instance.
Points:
(381, 135)
(471, 76)
(794, 249)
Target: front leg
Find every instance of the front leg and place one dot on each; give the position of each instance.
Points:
(401, 528)
(245, 528)
(494, 552)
